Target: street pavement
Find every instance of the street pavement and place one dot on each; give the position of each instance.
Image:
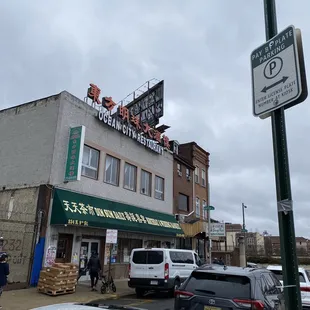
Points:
(151, 301)
(26, 299)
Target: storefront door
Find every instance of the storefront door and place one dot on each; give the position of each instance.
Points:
(64, 248)
(87, 247)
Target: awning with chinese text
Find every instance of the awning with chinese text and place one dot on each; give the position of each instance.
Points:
(71, 208)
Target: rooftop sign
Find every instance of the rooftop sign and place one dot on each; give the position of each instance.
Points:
(128, 120)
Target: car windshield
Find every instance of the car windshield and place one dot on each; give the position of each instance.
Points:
(219, 285)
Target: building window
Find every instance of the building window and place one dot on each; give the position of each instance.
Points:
(159, 187)
(179, 167)
(90, 162)
(111, 175)
(197, 207)
(203, 177)
(146, 183)
(130, 177)
(197, 175)
(183, 202)
(188, 173)
(124, 248)
(205, 212)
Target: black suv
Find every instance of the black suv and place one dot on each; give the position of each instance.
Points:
(214, 287)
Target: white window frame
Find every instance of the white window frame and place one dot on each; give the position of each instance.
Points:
(118, 161)
(188, 172)
(145, 185)
(159, 194)
(132, 177)
(179, 167)
(196, 174)
(203, 177)
(88, 166)
(205, 212)
(197, 204)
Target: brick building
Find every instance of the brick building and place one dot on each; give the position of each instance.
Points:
(191, 166)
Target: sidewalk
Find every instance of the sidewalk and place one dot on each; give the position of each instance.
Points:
(27, 299)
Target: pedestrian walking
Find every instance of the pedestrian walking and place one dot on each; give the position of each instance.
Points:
(4, 272)
(94, 267)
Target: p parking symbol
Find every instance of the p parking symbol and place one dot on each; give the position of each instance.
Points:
(273, 67)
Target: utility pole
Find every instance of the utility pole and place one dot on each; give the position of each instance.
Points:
(283, 185)
(243, 217)
(209, 225)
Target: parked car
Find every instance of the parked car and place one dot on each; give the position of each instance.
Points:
(160, 269)
(304, 280)
(221, 287)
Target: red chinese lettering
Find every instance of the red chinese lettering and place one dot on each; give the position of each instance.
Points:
(148, 130)
(157, 136)
(108, 103)
(166, 142)
(136, 121)
(124, 113)
(94, 93)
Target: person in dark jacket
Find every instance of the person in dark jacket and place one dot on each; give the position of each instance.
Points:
(4, 272)
(94, 268)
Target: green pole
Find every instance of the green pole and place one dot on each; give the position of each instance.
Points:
(283, 186)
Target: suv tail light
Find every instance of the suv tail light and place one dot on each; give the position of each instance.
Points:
(129, 269)
(251, 304)
(305, 289)
(166, 271)
(183, 294)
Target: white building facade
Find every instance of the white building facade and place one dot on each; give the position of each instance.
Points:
(97, 172)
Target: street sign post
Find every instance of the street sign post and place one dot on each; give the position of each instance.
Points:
(276, 77)
(276, 73)
(209, 208)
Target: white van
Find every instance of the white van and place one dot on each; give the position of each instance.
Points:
(304, 280)
(160, 269)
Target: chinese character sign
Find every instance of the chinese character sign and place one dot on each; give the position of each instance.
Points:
(75, 154)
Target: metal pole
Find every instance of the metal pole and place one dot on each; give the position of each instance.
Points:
(283, 186)
(243, 217)
(109, 270)
(209, 225)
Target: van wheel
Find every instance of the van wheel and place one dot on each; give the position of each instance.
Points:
(140, 292)
(175, 287)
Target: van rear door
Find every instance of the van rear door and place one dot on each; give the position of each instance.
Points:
(138, 268)
(156, 264)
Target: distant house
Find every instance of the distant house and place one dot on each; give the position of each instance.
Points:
(254, 242)
(273, 248)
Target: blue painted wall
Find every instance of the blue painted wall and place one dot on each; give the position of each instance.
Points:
(37, 262)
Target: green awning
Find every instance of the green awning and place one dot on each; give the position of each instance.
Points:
(71, 208)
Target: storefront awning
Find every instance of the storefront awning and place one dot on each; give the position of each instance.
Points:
(191, 230)
(71, 208)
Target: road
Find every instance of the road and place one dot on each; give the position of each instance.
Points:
(150, 301)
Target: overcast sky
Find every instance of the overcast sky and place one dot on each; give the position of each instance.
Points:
(202, 51)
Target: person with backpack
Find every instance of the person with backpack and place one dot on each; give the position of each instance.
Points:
(94, 267)
(4, 272)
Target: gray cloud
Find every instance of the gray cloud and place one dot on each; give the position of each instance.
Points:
(201, 49)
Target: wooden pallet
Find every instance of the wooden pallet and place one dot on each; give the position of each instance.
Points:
(57, 292)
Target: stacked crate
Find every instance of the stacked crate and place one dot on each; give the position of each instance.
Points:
(59, 279)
